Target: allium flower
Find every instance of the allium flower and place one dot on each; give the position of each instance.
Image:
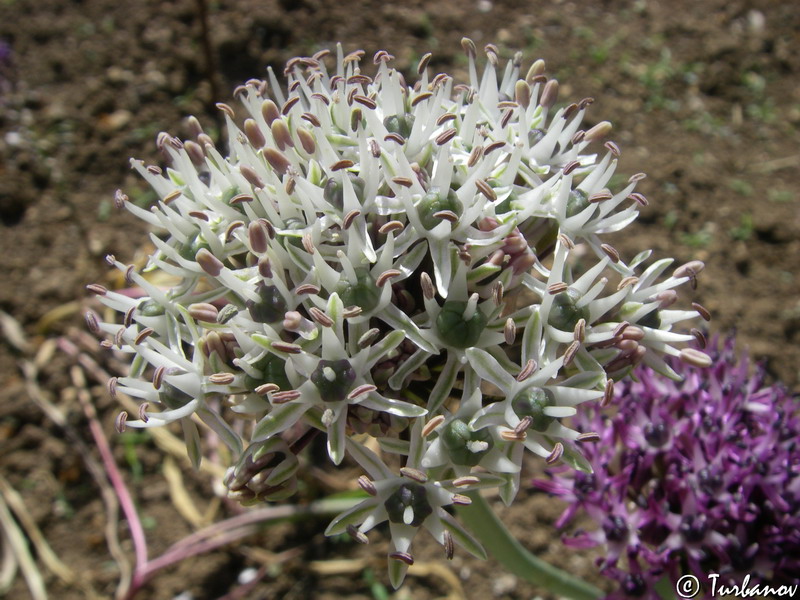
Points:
(696, 477)
(367, 247)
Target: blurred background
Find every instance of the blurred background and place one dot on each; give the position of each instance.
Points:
(704, 97)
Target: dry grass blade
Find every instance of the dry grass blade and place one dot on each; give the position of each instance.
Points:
(16, 539)
(36, 394)
(180, 496)
(43, 550)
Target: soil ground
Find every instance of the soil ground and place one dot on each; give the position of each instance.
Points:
(704, 96)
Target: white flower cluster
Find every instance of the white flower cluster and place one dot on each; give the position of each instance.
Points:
(420, 265)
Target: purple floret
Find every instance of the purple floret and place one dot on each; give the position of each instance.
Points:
(694, 477)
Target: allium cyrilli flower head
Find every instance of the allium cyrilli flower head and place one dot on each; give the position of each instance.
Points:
(367, 247)
(693, 477)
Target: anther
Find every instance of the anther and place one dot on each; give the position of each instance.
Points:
(386, 276)
(391, 226)
(572, 351)
(599, 131)
(320, 317)
(461, 500)
(370, 336)
(396, 138)
(466, 480)
(143, 335)
(237, 199)
(431, 425)
(358, 536)
(307, 288)
(636, 177)
(448, 544)
(557, 453)
(402, 557)
(428, 291)
(608, 394)
(203, 311)
(589, 436)
(613, 148)
(120, 198)
(557, 288)
(523, 425)
(527, 370)
(489, 148)
(287, 347)
(287, 106)
(445, 137)
(308, 244)
(446, 215)
(611, 252)
(342, 164)
(579, 333)
(444, 118)
(566, 241)
(361, 390)
(414, 474)
(404, 181)
(365, 483)
(119, 422)
(92, 321)
(638, 198)
(631, 280)
(474, 156)
(143, 412)
(209, 263)
(699, 337)
(702, 311)
(509, 435)
(497, 292)
(485, 189)
(221, 378)
(600, 196)
(267, 388)
(284, 397)
(570, 167)
(349, 218)
(350, 312)
(510, 331)
(693, 357)
(111, 386)
(96, 288)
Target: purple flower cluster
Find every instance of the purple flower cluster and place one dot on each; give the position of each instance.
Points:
(693, 477)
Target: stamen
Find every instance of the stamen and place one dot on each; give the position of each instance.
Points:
(358, 536)
(284, 397)
(466, 480)
(445, 137)
(365, 483)
(572, 350)
(428, 291)
(449, 545)
(589, 436)
(608, 394)
(320, 317)
(403, 557)
(119, 422)
(702, 311)
(510, 331)
(391, 226)
(414, 474)
(558, 451)
(386, 276)
(222, 378)
(527, 370)
(431, 425)
(143, 335)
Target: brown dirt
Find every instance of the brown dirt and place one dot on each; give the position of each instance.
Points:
(703, 97)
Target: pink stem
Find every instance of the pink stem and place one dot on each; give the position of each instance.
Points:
(125, 500)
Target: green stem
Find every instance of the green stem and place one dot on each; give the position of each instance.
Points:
(481, 520)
